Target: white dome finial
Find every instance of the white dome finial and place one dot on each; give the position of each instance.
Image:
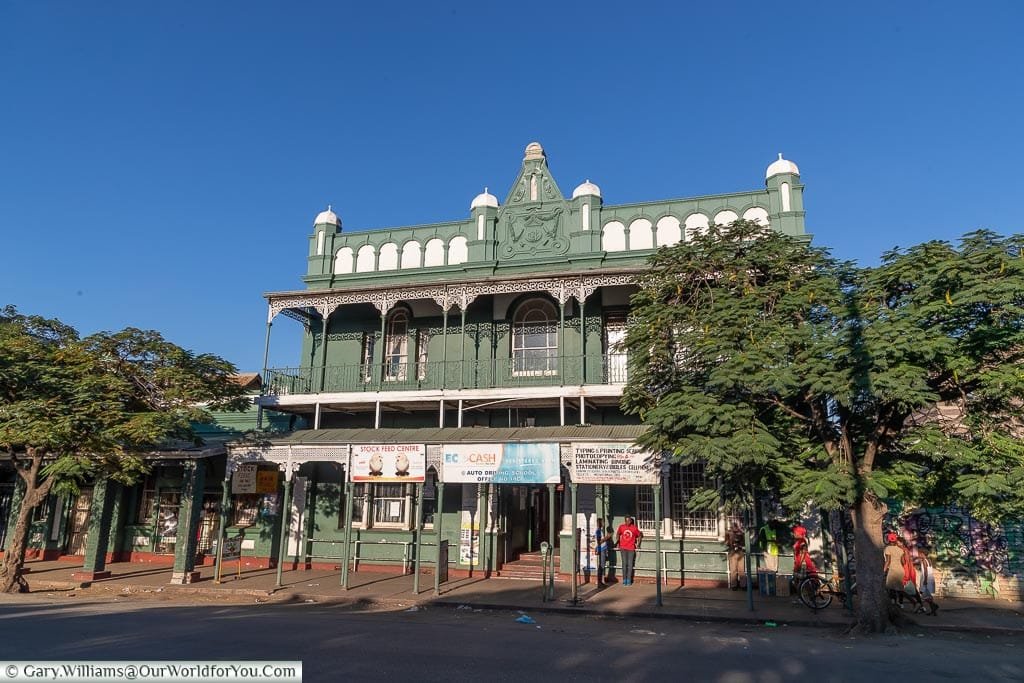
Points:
(327, 217)
(586, 188)
(781, 165)
(484, 199)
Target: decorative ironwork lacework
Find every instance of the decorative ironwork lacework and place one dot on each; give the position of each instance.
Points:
(446, 296)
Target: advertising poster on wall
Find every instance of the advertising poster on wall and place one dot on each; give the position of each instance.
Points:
(613, 463)
(389, 462)
(267, 479)
(588, 550)
(469, 539)
(510, 463)
(244, 479)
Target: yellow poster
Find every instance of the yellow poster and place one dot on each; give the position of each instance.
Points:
(469, 539)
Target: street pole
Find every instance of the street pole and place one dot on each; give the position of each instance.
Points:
(575, 546)
(285, 509)
(657, 542)
(346, 551)
(551, 537)
(419, 537)
(222, 533)
(747, 542)
(438, 517)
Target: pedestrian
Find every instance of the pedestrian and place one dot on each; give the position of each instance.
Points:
(910, 577)
(734, 544)
(768, 538)
(628, 538)
(926, 583)
(892, 558)
(802, 562)
(603, 540)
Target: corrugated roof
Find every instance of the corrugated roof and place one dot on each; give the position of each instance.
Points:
(462, 434)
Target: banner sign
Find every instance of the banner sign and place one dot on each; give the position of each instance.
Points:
(266, 480)
(613, 463)
(389, 462)
(495, 463)
(244, 479)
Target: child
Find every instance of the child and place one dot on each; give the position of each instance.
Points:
(926, 583)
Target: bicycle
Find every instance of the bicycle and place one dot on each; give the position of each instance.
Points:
(817, 593)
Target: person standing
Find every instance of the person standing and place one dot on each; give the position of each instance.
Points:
(768, 538)
(910, 577)
(603, 540)
(892, 567)
(734, 544)
(628, 536)
(926, 585)
(802, 562)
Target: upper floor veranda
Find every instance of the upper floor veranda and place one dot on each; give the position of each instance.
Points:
(525, 300)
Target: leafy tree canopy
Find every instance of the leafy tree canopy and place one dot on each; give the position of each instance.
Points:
(73, 407)
(782, 368)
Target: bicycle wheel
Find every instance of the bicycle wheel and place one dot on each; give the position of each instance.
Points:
(814, 594)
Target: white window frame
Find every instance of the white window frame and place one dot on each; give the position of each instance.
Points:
(396, 347)
(365, 499)
(690, 524)
(526, 320)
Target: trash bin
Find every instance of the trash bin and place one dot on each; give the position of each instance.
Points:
(766, 581)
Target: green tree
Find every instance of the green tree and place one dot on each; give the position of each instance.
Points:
(781, 368)
(73, 408)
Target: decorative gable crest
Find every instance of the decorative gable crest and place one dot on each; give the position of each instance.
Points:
(532, 221)
(534, 183)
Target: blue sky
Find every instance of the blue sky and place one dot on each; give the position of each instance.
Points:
(161, 163)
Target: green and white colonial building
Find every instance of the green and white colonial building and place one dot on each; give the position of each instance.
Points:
(490, 338)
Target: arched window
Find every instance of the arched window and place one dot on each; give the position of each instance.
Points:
(396, 347)
(535, 339)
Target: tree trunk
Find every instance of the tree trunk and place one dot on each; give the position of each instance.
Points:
(874, 614)
(11, 580)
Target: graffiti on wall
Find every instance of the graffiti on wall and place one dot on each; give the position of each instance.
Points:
(972, 558)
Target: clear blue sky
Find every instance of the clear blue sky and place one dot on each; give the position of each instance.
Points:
(161, 163)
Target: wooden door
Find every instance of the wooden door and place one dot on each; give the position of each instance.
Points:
(78, 529)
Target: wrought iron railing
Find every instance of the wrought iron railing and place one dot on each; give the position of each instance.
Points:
(521, 371)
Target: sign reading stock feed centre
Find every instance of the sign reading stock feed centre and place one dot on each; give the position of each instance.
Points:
(613, 463)
(389, 462)
(501, 463)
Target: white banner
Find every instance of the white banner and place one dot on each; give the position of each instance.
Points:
(244, 478)
(509, 463)
(613, 463)
(404, 463)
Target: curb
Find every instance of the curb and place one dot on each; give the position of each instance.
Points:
(283, 596)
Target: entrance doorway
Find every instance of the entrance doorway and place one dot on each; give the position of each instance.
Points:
(78, 529)
(540, 516)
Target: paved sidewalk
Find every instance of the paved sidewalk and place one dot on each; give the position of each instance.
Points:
(394, 591)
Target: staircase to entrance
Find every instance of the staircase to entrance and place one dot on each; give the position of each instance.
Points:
(529, 567)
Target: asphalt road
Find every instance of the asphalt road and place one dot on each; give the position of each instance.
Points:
(447, 644)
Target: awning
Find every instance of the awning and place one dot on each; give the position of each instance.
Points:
(438, 435)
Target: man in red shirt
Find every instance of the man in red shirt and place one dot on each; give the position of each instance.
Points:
(628, 537)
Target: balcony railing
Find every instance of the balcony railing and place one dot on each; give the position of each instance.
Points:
(523, 371)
